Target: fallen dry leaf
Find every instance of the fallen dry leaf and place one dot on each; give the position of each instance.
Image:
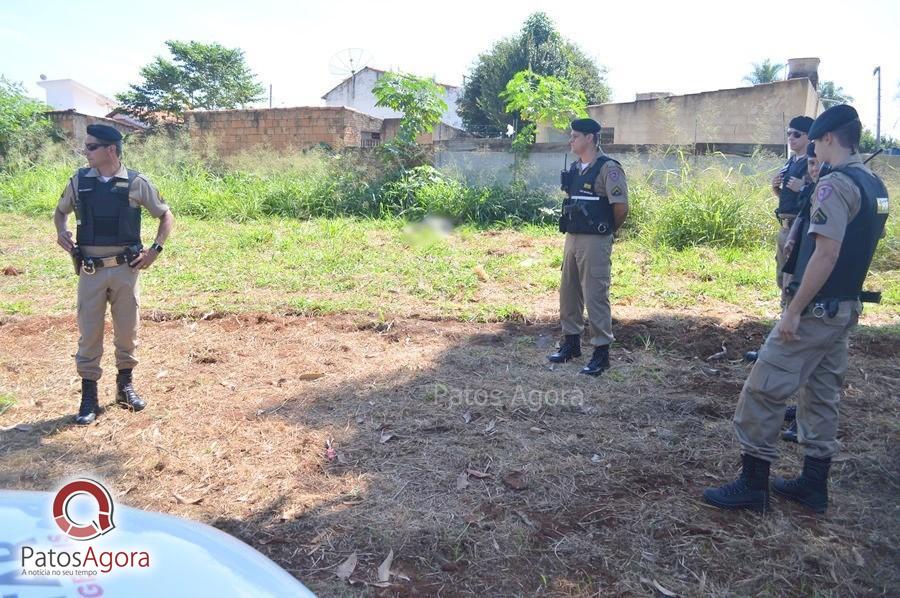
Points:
(385, 436)
(12, 271)
(720, 355)
(187, 501)
(660, 588)
(481, 274)
(310, 376)
(345, 569)
(515, 480)
(477, 474)
(384, 569)
(462, 481)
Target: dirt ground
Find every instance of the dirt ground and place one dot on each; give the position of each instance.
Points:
(457, 447)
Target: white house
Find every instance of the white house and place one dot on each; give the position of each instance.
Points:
(356, 92)
(68, 94)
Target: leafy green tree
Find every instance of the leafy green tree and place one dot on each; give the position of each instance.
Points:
(831, 94)
(538, 47)
(421, 103)
(868, 143)
(199, 76)
(764, 72)
(538, 99)
(24, 125)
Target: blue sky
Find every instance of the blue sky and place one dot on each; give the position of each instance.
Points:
(672, 46)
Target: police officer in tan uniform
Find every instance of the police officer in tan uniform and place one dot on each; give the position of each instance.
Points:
(807, 349)
(107, 200)
(595, 207)
(788, 185)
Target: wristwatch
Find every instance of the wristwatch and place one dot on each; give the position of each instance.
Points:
(157, 247)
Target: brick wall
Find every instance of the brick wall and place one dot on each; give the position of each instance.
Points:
(228, 132)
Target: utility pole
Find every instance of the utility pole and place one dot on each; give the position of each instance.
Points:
(877, 71)
(270, 95)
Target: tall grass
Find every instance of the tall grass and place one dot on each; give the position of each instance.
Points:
(696, 203)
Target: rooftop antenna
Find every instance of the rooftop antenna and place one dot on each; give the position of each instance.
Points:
(346, 63)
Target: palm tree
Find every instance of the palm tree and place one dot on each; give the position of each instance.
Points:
(831, 94)
(764, 72)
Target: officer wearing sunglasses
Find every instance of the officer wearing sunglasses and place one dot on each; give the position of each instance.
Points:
(107, 200)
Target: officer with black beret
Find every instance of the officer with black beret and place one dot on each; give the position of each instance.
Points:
(107, 200)
(595, 207)
(807, 349)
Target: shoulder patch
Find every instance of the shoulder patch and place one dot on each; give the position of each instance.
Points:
(824, 191)
(819, 217)
(616, 191)
(613, 175)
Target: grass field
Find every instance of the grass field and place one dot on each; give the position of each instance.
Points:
(418, 357)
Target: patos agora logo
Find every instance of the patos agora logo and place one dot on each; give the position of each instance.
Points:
(79, 530)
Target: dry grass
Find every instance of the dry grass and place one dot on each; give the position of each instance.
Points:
(612, 480)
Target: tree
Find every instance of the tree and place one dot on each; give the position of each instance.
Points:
(540, 98)
(24, 126)
(831, 94)
(199, 76)
(537, 47)
(868, 145)
(421, 103)
(764, 72)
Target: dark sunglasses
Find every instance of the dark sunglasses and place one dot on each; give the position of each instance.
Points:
(795, 134)
(92, 146)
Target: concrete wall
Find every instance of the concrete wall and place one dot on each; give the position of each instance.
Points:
(490, 161)
(66, 94)
(229, 132)
(356, 93)
(756, 115)
(74, 125)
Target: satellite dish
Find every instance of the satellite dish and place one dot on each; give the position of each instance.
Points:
(348, 62)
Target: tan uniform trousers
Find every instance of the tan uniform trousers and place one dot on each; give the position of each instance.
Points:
(118, 286)
(586, 268)
(815, 364)
(780, 257)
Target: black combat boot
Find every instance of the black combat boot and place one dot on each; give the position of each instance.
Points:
(599, 361)
(811, 488)
(125, 395)
(569, 348)
(90, 406)
(751, 356)
(749, 491)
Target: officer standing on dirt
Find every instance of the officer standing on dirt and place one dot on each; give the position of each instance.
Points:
(595, 207)
(787, 186)
(808, 347)
(107, 200)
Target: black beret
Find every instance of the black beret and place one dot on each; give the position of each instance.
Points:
(586, 125)
(801, 123)
(833, 118)
(810, 150)
(104, 133)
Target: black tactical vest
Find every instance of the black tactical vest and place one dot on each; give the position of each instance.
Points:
(103, 212)
(584, 211)
(858, 247)
(788, 201)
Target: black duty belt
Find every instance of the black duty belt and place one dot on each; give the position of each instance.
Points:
(89, 265)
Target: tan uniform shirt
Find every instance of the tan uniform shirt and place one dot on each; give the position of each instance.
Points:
(142, 194)
(611, 182)
(836, 201)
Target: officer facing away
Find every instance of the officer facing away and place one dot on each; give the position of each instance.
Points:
(107, 199)
(595, 207)
(807, 349)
